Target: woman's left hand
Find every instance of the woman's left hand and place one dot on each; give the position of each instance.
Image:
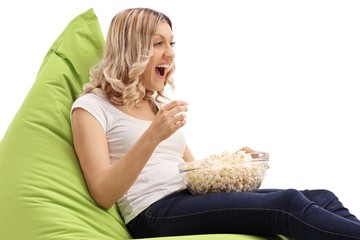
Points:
(247, 150)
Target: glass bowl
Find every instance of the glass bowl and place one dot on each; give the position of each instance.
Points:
(227, 172)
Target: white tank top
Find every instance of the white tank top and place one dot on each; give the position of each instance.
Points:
(159, 177)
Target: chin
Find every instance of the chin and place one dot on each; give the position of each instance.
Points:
(158, 89)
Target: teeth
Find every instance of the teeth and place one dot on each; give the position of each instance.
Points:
(164, 66)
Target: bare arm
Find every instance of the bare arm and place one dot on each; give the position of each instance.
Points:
(188, 157)
(106, 182)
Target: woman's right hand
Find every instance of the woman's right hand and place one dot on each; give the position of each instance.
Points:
(169, 119)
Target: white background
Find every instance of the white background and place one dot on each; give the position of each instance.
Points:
(277, 76)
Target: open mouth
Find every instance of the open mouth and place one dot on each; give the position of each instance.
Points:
(161, 69)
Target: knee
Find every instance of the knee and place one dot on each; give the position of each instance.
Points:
(320, 196)
(326, 193)
(289, 197)
(291, 193)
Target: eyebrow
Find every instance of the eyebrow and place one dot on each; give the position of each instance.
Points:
(157, 34)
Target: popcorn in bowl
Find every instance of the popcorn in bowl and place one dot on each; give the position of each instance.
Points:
(226, 172)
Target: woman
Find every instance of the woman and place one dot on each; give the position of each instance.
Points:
(129, 144)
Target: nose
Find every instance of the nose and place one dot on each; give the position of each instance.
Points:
(169, 52)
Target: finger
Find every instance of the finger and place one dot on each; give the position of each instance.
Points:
(178, 118)
(180, 123)
(177, 110)
(174, 104)
(247, 149)
(174, 124)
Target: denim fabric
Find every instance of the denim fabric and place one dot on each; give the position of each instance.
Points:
(302, 215)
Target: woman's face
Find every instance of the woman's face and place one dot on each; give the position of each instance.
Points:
(160, 63)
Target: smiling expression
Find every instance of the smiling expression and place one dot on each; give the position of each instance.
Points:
(162, 59)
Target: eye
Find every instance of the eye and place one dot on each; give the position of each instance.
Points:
(157, 44)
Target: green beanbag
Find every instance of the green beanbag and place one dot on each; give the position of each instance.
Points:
(43, 195)
(42, 192)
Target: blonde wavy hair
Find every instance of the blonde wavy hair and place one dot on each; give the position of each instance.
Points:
(127, 52)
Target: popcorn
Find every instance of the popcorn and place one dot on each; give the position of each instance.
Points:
(226, 172)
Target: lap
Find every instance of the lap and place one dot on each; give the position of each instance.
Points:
(184, 202)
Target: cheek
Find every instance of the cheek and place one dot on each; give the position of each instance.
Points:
(146, 78)
(147, 73)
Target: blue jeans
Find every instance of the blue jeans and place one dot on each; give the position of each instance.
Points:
(302, 215)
